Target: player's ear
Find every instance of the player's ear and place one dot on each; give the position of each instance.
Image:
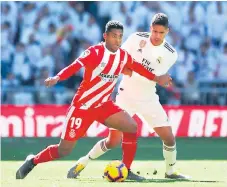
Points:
(104, 35)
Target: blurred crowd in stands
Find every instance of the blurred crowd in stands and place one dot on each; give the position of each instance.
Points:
(38, 39)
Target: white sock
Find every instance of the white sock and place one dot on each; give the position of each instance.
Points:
(170, 155)
(98, 150)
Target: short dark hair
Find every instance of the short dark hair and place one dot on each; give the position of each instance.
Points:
(160, 19)
(113, 25)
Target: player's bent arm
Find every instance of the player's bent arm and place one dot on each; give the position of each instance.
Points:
(64, 74)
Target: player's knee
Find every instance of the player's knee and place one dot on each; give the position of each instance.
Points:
(134, 128)
(64, 151)
(170, 141)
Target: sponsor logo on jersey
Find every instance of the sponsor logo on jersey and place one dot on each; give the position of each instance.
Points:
(146, 65)
(103, 64)
(108, 77)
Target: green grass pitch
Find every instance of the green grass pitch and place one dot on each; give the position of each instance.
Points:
(205, 159)
(204, 173)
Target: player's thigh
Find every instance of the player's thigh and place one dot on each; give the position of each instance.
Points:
(126, 104)
(154, 114)
(76, 124)
(113, 116)
(121, 121)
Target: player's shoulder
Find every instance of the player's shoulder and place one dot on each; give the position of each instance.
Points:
(95, 49)
(98, 46)
(168, 47)
(170, 50)
(124, 52)
(139, 35)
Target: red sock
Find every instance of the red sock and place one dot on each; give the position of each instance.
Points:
(129, 146)
(48, 154)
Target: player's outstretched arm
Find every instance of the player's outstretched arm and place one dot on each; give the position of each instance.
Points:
(85, 58)
(64, 74)
(70, 70)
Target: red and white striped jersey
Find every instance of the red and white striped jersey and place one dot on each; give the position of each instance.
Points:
(102, 69)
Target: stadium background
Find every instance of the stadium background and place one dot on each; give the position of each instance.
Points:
(38, 39)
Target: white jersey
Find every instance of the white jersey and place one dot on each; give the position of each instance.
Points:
(157, 59)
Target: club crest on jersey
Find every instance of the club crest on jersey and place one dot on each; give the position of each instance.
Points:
(85, 53)
(142, 43)
(72, 133)
(103, 64)
(159, 59)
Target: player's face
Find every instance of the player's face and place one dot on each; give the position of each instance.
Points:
(113, 39)
(158, 34)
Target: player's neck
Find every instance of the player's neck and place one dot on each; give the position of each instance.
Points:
(106, 47)
(156, 43)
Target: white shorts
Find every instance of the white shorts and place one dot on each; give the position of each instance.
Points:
(152, 111)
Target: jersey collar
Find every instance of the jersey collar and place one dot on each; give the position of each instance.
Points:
(104, 44)
(157, 45)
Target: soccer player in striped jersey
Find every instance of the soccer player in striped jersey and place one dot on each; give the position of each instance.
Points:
(103, 64)
(157, 56)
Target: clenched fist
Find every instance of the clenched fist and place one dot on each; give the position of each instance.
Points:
(51, 81)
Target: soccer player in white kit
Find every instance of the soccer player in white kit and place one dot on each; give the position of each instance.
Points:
(138, 95)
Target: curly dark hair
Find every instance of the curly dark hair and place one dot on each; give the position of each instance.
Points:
(113, 25)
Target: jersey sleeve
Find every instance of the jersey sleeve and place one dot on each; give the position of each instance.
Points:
(137, 67)
(87, 57)
(84, 60)
(172, 61)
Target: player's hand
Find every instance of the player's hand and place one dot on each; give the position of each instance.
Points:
(163, 80)
(127, 71)
(50, 81)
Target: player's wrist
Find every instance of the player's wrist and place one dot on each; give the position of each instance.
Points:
(156, 79)
(57, 77)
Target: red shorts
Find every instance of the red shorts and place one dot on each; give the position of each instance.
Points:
(78, 121)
